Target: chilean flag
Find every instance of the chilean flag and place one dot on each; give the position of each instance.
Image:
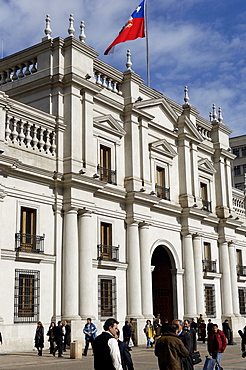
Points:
(133, 29)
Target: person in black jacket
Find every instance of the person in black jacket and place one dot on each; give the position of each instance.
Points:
(39, 338)
(186, 338)
(126, 359)
(193, 342)
(127, 333)
(58, 339)
(106, 349)
(51, 335)
(67, 336)
(243, 342)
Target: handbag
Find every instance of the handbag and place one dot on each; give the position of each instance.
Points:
(209, 364)
(195, 357)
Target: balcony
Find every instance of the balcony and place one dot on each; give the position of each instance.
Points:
(209, 266)
(161, 192)
(206, 205)
(29, 243)
(105, 174)
(107, 253)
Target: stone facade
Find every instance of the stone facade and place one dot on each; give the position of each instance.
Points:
(114, 200)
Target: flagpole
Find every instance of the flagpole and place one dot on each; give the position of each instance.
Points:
(147, 42)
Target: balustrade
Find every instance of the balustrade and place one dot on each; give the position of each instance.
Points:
(204, 132)
(16, 72)
(238, 201)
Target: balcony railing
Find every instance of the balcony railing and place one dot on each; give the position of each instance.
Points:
(241, 270)
(29, 243)
(206, 205)
(107, 252)
(161, 192)
(209, 266)
(105, 174)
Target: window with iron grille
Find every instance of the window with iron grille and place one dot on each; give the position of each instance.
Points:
(106, 296)
(209, 292)
(242, 300)
(26, 303)
(237, 170)
(244, 151)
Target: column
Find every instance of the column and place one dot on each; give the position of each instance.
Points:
(146, 278)
(133, 271)
(70, 266)
(189, 277)
(226, 290)
(197, 248)
(233, 271)
(85, 265)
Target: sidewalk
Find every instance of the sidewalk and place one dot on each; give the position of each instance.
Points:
(143, 358)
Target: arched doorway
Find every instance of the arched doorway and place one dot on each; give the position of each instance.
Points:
(162, 285)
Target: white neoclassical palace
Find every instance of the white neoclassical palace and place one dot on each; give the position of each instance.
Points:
(114, 200)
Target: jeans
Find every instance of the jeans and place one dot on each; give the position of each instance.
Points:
(218, 356)
(87, 341)
(149, 343)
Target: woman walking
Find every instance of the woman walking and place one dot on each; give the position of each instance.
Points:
(150, 333)
(39, 338)
(51, 335)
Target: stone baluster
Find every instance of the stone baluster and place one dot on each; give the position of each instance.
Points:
(7, 129)
(47, 144)
(14, 131)
(21, 134)
(109, 84)
(3, 77)
(34, 69)
(28, 136)
(8, 78)
(99, 82)
(15, 77)
(115, 87)
(34, 139)
(27, 71)
(53, 143)
(21, 74)
(41, 139)
(104, 83)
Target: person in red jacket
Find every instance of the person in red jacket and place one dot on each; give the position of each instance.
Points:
(216, 343)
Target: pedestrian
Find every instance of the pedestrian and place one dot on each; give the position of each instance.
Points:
(133, 331)
(150, 333)
(209, 326)
(39, 338)
(164, 326)
(193, 324)
(186, 338)
(51, 335)
(106, 349)
(203, 331)
(227, 330)
(59, 335)
(216, 344)
(193, 343)
(67, 336)
(90, 332)
(157, 325)
(170, 350)
(1, 338)
(243, 342)
(127, 333)
(199, 321)
(126, 359)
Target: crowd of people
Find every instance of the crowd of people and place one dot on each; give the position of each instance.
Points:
(175, 342)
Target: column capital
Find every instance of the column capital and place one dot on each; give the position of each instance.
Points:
(85, 212)
(70, 209)
(131, 222)
(143, 225)
(196, 235)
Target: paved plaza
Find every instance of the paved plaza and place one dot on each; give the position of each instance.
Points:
(143, 358)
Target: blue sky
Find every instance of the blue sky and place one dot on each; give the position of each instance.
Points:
(198, 43)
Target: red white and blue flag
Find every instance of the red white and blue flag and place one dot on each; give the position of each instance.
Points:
(133, 29)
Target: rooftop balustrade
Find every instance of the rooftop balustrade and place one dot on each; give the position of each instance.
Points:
(238, 201)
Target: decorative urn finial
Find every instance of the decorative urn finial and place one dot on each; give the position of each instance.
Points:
(47, 29)
(186, 98)
(71, 29)
(82, 36)
(220, 118)
(128, 63)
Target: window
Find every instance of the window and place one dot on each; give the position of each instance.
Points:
(210, 300)
(244, 151)
(28, 228)
(240, 186)
(160, 185)
(26, 303)
(207, 251)
(242, 300)
(244, 168)
(107, 296)
(104, 168)
(236, 151)
(239, 257)
(206, 205)
(237, 170)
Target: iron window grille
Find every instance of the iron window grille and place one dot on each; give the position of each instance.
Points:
(26, 299)
(210, 306)
(106, 174)
(161, 192)
(241, 270)
(107, 296)
(107, 252)
(209, 266)
(29, 243)
(242, 300)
